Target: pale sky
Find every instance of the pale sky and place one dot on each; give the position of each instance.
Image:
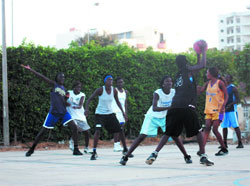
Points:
(184, 21)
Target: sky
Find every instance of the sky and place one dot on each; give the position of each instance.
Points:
(184, 21)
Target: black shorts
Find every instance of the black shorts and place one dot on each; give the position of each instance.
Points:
(109, 122)
(177, 118)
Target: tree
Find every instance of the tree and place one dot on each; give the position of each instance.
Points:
(103, 40)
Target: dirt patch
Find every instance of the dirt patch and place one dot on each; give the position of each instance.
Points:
(52, 145)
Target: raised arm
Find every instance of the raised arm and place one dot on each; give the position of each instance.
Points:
(201, 62)
(96, 93)
(51, 82)
(155, 107)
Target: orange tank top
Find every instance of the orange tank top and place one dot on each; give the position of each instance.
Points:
(214, 98)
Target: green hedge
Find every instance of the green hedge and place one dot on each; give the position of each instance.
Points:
(141, 70)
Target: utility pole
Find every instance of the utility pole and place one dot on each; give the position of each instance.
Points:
(6, 135)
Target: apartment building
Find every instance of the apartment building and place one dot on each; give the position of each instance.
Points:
(142, 38)
(234, 30)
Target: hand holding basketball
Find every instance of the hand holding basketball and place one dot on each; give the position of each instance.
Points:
(199, 46)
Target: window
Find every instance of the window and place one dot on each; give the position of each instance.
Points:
(238, 40)
(221, 30)
(246, 112)
(120, 36)
(232, 40)
(128, 35)
(221, 21)
(222, 40)
(238, 48)
(237, 29)
(237, 20)
(161, 37)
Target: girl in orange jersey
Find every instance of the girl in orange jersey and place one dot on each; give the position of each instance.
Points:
(216, 99)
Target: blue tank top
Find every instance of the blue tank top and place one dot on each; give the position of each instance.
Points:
(57, 100)
(231, 98)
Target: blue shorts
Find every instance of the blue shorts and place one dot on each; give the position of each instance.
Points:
(51, 120)
(151, 124)
(230, 120)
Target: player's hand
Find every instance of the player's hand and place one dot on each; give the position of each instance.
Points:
(125, 117)
(26, 66)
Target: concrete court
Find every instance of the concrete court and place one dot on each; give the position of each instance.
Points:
(61, 168)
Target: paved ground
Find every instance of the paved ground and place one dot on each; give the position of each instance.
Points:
(60, 168)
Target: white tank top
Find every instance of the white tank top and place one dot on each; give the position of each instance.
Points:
(122, 99)
(105, 102)
(74, 100)
(165, 100)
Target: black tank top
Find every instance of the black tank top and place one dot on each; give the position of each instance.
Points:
(185, 90)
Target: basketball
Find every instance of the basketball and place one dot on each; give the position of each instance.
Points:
(198, 44)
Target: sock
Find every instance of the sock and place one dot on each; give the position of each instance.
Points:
(155, 152)
(94, 150)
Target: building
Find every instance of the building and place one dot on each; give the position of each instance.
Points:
(142, 38)
(64, 39)
(234, 30)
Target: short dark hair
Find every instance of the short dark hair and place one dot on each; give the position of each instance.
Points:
(119, 78)
(76, 83)
(59, 73)
(181, 61)
(163, 79)
(214, 72)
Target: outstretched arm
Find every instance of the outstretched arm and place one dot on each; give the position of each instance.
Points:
(52, 83)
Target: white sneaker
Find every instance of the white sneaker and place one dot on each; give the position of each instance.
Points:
(86, 150)
(117, 147)
(71, 144)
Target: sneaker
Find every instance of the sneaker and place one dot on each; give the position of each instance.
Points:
(240, 146)
(198, 153)
(30, 151)
(188, 159)
(221, 152)
(205, 161)
(220, 147)
(117, 147)
(94, 156)
(151, 159)
(77, 152)
(123, 160)
(71, 145)
(124, 152)
(86, 150)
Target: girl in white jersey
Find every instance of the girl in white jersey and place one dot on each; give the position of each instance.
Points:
(104, 114)
(76, 110)
(122, 96)
(156, 117)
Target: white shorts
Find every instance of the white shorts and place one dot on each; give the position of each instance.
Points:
(120, 117)
(81, 125)
(230, 120)
(151, 124)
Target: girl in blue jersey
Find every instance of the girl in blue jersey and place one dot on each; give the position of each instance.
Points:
(57, 110)
(231, 115)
